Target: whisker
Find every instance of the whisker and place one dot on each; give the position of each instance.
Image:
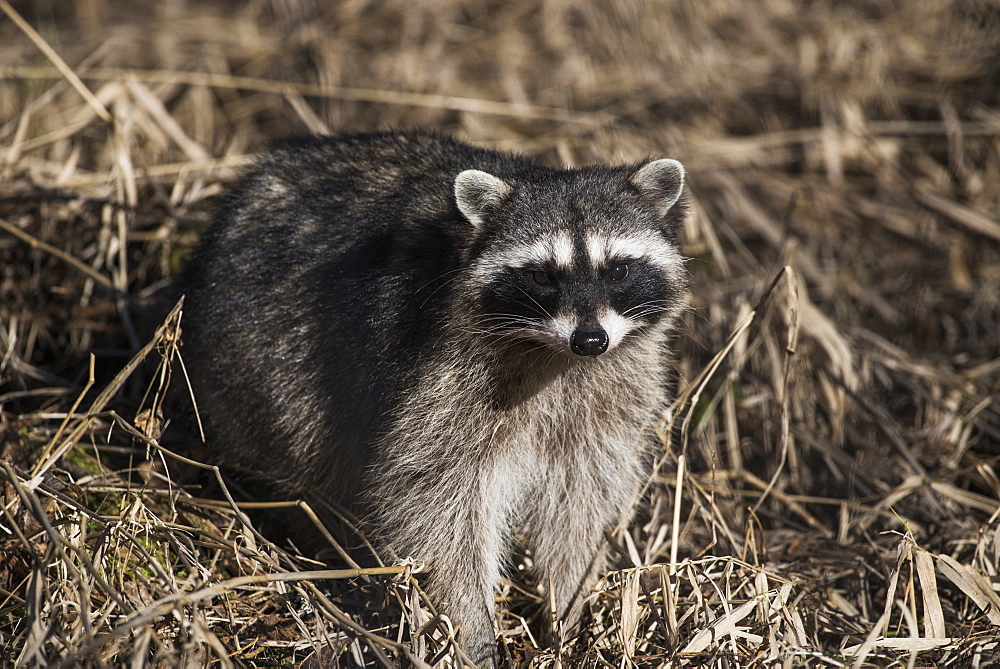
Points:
(528, 295)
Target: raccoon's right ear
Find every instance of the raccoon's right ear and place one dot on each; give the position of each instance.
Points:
(478, 194)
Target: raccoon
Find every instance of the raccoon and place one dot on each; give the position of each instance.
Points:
(460, 344)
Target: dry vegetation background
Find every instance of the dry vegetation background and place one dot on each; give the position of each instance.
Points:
(830, 496)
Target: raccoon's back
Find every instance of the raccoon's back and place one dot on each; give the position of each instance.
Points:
(309, 302)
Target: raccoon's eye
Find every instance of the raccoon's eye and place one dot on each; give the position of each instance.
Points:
(540, 277)
(619, 271)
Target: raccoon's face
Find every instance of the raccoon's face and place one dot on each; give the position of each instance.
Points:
(578, 262)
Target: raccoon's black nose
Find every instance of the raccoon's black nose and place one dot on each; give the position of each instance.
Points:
(589, 342)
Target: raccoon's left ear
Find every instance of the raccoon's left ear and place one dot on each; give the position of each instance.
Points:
(661, 181)
(478, 194)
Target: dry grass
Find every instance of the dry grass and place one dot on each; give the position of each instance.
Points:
(830, 496)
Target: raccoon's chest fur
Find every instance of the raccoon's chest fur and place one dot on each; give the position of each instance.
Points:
(592, 436)
(583, 433)
(600, 444)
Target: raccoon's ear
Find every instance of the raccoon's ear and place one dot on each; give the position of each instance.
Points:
(661, 181)
(479, 193)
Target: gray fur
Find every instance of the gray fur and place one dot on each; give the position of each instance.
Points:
(343, 341)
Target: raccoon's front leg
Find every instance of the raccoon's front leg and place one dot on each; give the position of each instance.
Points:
(465, 593)
(455, 526)
(566, 536)
(568, 560)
